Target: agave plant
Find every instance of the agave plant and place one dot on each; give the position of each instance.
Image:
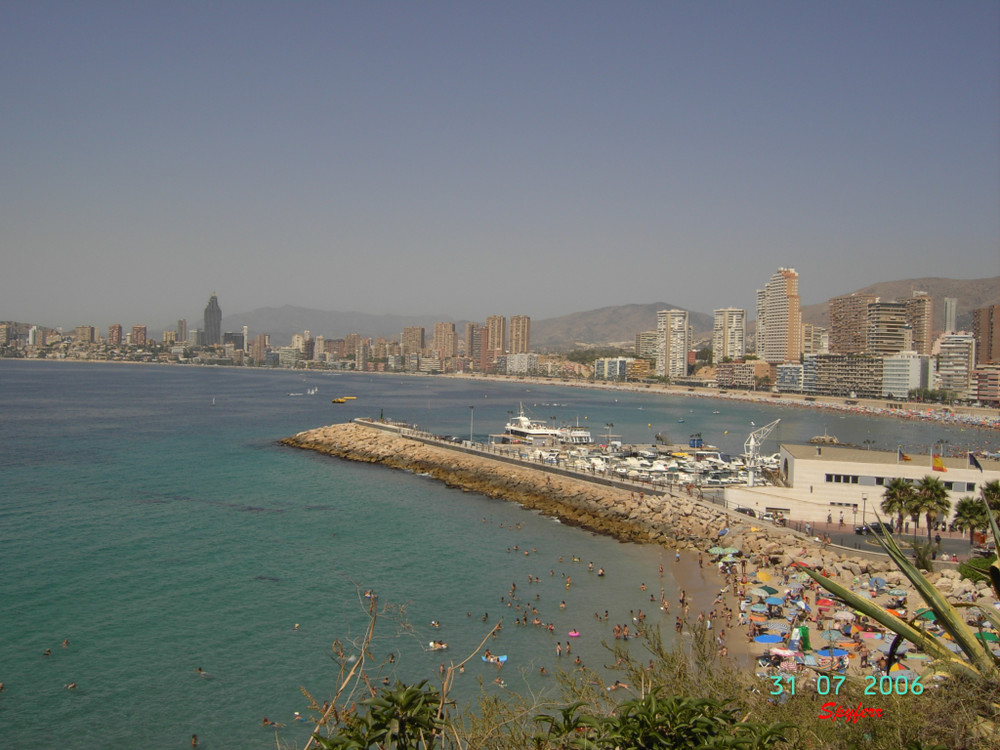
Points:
(975, 660)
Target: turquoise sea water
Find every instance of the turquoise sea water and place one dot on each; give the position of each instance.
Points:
(160, 533)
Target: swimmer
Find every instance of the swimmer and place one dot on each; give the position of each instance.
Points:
(541, 670)
(298, 716)
(617, 685)
(65, 644)
(600, 572)
(48, 652)
(71, 686)
(295, 627)
(194, 740)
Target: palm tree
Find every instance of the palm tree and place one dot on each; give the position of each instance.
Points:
(991, 493)
(896, 500)
(970, 515)
(932, 501)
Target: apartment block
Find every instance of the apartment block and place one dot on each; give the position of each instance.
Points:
(729, 332)
(520, 334)
(849, 323)
(779, 318)
(986, 331)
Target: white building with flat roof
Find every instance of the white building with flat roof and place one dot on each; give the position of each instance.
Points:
(827, 480)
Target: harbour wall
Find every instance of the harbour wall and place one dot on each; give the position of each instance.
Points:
(676, 522)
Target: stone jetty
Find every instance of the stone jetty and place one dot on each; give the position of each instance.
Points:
(673, 521)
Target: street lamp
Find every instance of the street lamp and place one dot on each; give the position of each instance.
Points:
(472, 421)
(609, 425)
(864, 509)
(869, 443)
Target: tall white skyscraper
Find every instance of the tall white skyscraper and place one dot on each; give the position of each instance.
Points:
(950, 314)
(673, 341)
(729, 334)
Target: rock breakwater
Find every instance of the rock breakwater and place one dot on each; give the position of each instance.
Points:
(677, 522)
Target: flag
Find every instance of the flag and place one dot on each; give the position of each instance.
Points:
(937, 464)
(974, 462)
(900, 456)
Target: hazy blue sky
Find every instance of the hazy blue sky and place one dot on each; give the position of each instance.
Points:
(474, 158)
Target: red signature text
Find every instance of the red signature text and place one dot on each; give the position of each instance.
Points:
(834, 711)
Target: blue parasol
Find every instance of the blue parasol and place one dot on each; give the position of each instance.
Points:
(769, 639)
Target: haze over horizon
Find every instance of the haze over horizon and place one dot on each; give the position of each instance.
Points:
(476, 159)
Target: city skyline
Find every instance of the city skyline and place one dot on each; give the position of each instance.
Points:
(344, 157)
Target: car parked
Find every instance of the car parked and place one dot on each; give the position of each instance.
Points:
(746, 511)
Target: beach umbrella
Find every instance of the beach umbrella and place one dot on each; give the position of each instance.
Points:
(926, 614)
(795, 586)
(988, 635)
(758, 592)
(769, 639)
(763, 575)
(898, 592)
(785, 652)
(775, 601)
(728, 559)
(844, 616)
(903, 648)
(716, 550)
(801, 577)
(831, 651)
(802, 605)
(762, 608)
(770, 589)
(778, 626)
(824, 602)
(730, 551)
(877, 582)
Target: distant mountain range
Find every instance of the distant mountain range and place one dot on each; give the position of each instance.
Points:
(591, 328)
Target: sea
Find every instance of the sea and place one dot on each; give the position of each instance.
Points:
(151, 521)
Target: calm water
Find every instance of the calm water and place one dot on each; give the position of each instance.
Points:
(160, 533)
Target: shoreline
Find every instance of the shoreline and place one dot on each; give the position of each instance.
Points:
(672, 522)
(985, 418)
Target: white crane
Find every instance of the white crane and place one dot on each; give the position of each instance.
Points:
(751, 449)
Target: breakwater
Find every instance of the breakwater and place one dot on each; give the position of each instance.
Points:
(673, 521)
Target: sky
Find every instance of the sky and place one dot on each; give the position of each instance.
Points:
(470, 158)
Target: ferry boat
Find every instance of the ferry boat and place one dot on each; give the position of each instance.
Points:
(523, 429)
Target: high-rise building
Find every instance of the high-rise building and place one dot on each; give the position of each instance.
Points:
(645, 345)
(520, 334)
(138, 335)
(470, 331)
(920, 316)
(412, 341)
(950, 314)
(729, 334)
(246, 339)
(673, 343)
(497, 327)
(258, 349)
(213, 322)
(182, 329)
(849, 323)
(887, 329)
(986, 331)
(86, 334)
(779, 318)
(815, 339)
(955, 363)
(445, 340)
(115, 333)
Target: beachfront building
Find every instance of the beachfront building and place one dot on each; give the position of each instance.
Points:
(779, 318)
(904, 372)
(815, 339)
(829, 479)
(445, 341)
(729, 333)
(887, 331)
(920, 316)
(612, 368)
(741, 374)
(789, 377)
(986, 384)
(522, 363)
(520, 334)
(986, 331)
(955, 362)
(849, 323)
(950, 314)
(645, 345)
(672, 343)
(849, 375)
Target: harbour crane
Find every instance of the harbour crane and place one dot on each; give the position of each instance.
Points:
(751, 449)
